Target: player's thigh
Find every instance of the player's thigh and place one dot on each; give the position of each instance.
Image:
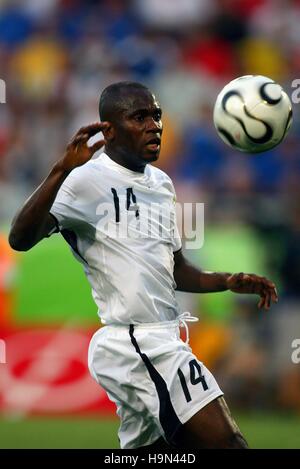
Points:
(212, 427)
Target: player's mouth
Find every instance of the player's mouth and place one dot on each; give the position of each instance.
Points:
(154, 144)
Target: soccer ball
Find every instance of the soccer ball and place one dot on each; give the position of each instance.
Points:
(252, 114)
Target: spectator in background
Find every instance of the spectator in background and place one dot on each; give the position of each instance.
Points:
(201, 158)
(175, 15)
(16, 25)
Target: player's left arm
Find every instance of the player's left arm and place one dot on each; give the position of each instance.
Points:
(191, 279)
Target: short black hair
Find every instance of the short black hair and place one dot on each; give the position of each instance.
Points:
(112, 96)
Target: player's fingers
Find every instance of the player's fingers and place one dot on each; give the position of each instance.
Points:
(252, 284)
(261, 302)
(81, 138)
(93, 129)
(271, 288)
(260, 285)
(268, 283)
(266, 295)
(274, 295)
(268, 300)
(97, 146)
(78, 142)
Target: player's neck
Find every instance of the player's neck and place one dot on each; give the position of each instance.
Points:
(119, 158)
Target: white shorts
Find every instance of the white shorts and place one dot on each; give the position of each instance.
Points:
(153, 377)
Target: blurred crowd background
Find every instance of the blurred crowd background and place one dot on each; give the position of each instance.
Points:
(56, 56)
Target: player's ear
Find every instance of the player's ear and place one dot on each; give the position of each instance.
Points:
(108, 132)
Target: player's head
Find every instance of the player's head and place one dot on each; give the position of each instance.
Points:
(135, 126)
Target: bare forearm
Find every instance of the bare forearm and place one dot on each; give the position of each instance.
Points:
(190, 279)
(30, 223)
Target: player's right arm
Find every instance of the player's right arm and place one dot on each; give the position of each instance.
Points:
(33, 221)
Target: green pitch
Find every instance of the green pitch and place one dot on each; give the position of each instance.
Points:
(51, 287)
(261, 431)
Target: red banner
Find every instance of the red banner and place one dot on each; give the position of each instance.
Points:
(46, 373)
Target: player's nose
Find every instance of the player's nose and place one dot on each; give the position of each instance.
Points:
(154, 126)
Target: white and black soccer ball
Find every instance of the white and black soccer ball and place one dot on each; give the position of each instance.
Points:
(252, 113)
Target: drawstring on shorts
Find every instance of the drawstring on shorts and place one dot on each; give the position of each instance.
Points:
(183, 319)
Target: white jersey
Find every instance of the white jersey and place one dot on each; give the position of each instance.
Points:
(121, 226)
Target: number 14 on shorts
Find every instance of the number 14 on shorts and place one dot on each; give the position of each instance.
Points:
(196, 377)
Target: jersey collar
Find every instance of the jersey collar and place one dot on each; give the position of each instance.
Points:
(121, 169)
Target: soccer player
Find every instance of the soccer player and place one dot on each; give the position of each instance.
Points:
(165, 396)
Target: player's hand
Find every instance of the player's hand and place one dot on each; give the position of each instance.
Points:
(251, 283)
(78, 152)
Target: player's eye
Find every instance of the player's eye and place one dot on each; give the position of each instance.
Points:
(139, 117)
(157, 116)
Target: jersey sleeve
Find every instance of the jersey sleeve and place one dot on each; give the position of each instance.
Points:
(70, 206)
